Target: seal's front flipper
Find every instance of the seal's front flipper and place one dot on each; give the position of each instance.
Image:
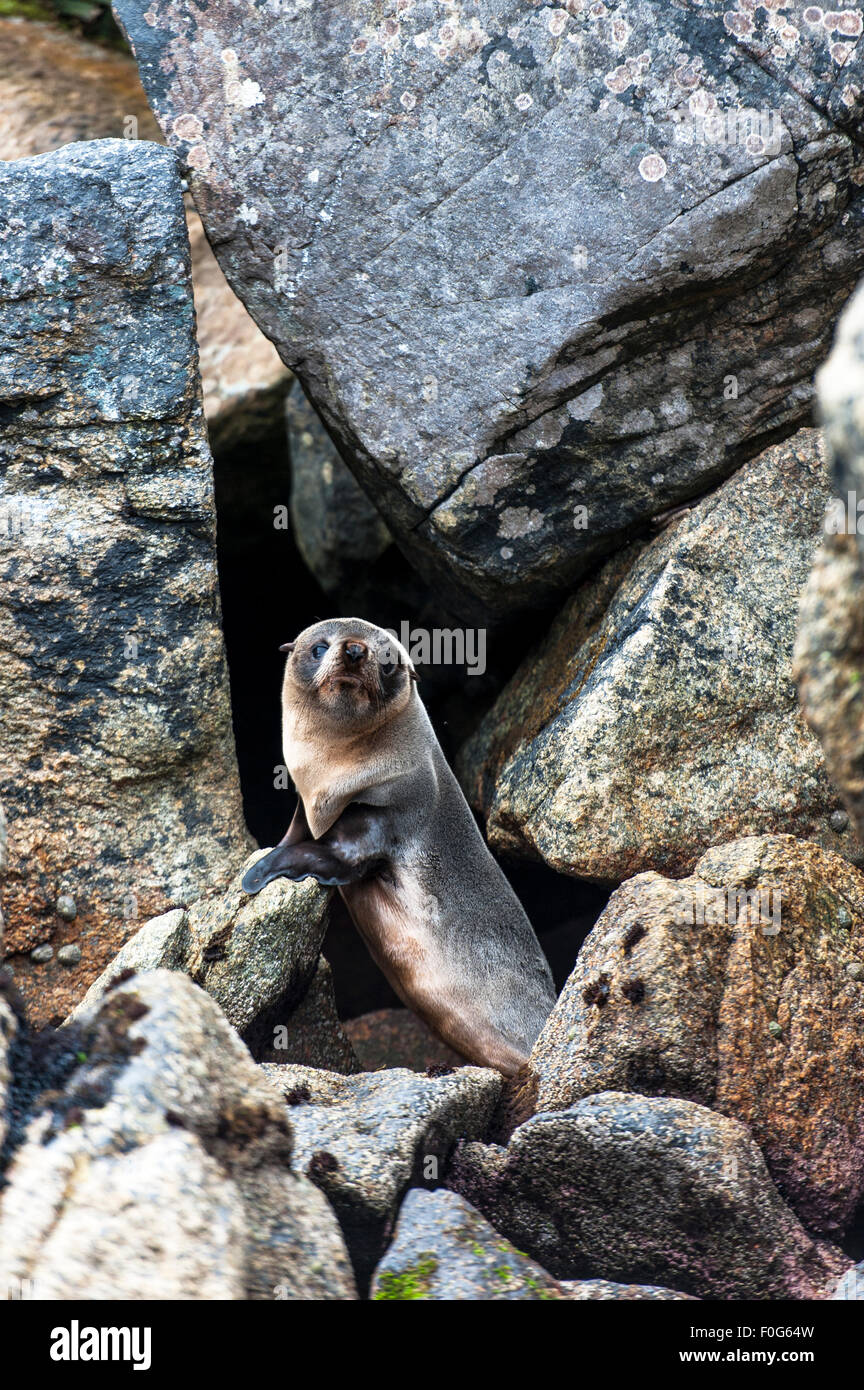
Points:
(269, 867)
(351, 850)
(309, 860)
(264, 870)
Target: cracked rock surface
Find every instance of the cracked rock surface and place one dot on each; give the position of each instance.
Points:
(363, 1139)
(56, 87)
(537, 269)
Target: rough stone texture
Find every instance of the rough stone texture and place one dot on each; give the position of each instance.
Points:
(829, 665)
(339, 532)
(162, 1170)
(398, 1038)
(659, 716)
(8, 1025)
(443, 1250)
(4, 849)
(602, 1290)
(363, 1139)
(646, 1191)
(740, 987)
(161, 944)
(256, 956)
(312, 1034)
(829, 652)
(396, 193)
(118, 765)
(56, 88)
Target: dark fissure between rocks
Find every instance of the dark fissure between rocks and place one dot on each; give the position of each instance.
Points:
(268, 596)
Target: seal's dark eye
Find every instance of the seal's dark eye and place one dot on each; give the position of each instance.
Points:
(387, 668)
(319, 650)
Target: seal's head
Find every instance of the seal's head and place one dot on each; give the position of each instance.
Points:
(347, 674)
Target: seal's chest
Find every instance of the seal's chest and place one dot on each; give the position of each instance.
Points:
(397, 920)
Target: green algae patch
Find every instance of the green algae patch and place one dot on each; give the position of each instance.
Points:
(411, 1283)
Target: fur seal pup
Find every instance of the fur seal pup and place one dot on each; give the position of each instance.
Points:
(381, 816)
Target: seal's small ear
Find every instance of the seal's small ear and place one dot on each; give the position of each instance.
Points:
(413, 674)
(288, 646)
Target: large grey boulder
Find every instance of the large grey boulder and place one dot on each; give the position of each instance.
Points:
(647, 1191)
(118, 767)
(659, 715)
(542, 271)
(443, 1250)
(363, 1139)
(740, 987)
(162, 1170)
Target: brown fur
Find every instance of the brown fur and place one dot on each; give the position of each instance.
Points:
(381, 816)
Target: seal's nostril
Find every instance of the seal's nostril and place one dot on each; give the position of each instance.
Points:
(355, 651)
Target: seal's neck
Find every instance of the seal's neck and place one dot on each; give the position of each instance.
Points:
(329, 769)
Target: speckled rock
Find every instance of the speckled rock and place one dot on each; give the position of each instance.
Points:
(8, 1024)
(444, 1250)
(256, 956)
(731, 988)
(829, 665)
(659, 716)
(118, 767)
(4, 845)
(648, 1191)
(398, 1038)
(603, 1290)
(311, 1034)
(161, 944)
(363, 1139)
(829, 653)
(55, 88)
(162, 1170)
(396, 193)
(339, 532)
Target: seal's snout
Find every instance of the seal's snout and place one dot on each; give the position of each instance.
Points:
(354, 652)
